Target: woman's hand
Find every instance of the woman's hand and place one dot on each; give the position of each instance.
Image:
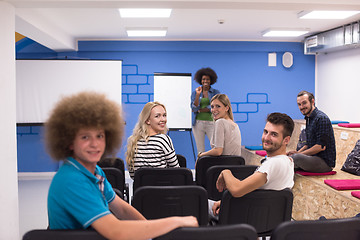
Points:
(198, 90)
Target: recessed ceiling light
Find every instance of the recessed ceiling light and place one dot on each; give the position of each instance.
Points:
(146, 32)
(326, 14)
(144, 12)
(284, 32)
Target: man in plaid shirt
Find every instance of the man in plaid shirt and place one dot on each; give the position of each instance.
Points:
(319, 153)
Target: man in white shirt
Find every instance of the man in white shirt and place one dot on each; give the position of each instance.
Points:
(276, 173)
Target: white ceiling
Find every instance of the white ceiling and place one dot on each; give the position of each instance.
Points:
(59, 24)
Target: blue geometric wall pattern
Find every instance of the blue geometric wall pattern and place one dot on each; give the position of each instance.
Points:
(242, 109)
(136, 88)
(27, 130)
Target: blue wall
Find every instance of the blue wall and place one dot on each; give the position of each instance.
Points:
(242, 67)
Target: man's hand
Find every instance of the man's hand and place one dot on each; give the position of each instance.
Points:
(216, 208)
(220, 183)
(291, 153)
(188, 221)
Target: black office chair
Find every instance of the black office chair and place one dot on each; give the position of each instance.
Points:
(239, 171)
(162, 177)
(182, 160)
(229, 232)
(43, 234)
(205, 162)
(331, 229)
(117, 180)
(112, 162)
(263, 209)
(156, 202)
(119, 164)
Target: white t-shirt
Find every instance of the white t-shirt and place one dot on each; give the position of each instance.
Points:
(280, 172)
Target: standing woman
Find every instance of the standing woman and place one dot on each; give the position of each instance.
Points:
(200, 105)
(149, 146)
(227, 137)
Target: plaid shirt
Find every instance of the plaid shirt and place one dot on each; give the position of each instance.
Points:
(319, 131)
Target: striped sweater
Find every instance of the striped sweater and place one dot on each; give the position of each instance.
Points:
(157, 152)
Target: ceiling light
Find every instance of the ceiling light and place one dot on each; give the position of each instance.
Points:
(144, 12)
(284, 32)
(326, 14)
(146, 32)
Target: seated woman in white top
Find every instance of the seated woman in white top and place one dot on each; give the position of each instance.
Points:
(226, 139)
(149, 146)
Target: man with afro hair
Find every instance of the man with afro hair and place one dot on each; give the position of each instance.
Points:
(82, 129)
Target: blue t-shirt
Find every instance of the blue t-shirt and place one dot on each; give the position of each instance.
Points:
(75, 200)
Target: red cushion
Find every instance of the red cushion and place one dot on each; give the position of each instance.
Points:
(261, 153)
(349, 125)
(355, 194)
(343, 184)
(315, 173)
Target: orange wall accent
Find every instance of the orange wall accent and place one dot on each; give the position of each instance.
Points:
(18, 36)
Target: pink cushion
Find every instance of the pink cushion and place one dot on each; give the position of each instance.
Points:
(315, 173)
(343, 184)
(261, 153)
(356, 194)
(349, 125)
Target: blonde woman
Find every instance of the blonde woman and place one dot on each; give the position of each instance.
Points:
(149, 146)
(226, 139)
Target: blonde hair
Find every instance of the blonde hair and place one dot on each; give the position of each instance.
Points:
(223, 98)
(83, 110)
(140, 132)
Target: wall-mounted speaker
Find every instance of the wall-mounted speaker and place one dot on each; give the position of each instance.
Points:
(287, 59)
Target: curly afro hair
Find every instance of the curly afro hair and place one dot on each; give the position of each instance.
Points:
(207, 72)
(83, 110)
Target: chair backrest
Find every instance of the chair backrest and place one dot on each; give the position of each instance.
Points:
(43, 234)
(111, 175)
(205, 162)
(115, 178)
(119, 193)
(158, 202)
(331, 229)
(182, 160)
(162, 177)
(230, 232)
(239, 171)
(113, 162)
(263, 209)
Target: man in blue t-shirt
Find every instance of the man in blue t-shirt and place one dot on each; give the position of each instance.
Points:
(319, 153)
(80, 131)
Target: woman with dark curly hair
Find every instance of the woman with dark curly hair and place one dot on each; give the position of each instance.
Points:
(200, 105)
(80, 131)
